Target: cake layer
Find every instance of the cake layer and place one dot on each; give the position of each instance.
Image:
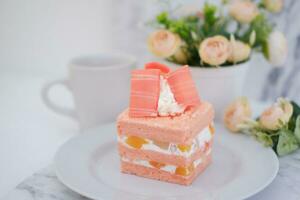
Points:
(163, 175)
(161, 157)
(173, 169)
(180, 129)
(169, 148)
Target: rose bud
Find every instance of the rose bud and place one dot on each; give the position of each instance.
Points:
(276, 116)
(243, 11)
(240, 51)
(166, 44)
(237, 113)
(215, 50)
(277, 48)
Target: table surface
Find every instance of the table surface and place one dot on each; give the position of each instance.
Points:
(31, 134)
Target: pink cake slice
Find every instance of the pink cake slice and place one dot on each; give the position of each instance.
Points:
(173, 149)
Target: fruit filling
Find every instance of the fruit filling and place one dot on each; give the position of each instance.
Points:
(185, 171)
(202, 141)
(136, 142)
(184, 148)
(212, 129)
(177, 170)
(156, 164)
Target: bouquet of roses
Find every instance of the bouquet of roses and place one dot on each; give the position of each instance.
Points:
(278, 126)
(219, 35)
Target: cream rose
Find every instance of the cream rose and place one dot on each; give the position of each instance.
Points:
(165, 44)
(277, 48)
(279, 114)
(215, 50)
(274, 6)
(237, 113)
(243, 11)
(240, 51)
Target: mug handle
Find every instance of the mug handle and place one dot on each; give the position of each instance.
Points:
(69, 112)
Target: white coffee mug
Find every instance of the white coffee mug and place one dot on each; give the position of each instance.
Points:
(100, 87)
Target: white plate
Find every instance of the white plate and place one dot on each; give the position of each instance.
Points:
(89, 165)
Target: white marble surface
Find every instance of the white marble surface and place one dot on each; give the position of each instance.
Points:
(44, 185)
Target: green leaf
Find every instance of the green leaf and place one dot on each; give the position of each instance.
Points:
(265, 49)
(287, 143)
(263, 28)
(297, 129)
(296, 109)
(296, 113)
(213, 24)
(163, 19)
(264, 138)
(209, 12)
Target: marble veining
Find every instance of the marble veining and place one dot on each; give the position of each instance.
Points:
(285, 81)
(44, 185)
(289, 172)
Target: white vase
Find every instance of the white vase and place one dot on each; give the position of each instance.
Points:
(220, 86)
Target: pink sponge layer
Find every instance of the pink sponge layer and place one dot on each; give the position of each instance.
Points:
(180, 129)
(157, 174)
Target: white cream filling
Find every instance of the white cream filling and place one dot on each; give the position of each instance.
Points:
(167, 105)
(199, 142)
(167, 168)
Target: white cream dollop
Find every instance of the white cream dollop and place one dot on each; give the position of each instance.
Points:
(167, 105)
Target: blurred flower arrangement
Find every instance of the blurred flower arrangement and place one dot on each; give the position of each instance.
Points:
(278, 126)
(220, 35)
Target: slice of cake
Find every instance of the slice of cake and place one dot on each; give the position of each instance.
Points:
(167, 132)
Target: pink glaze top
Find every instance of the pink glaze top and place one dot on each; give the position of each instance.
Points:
(179, 129)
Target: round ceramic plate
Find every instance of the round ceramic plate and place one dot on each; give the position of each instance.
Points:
(89, 165)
